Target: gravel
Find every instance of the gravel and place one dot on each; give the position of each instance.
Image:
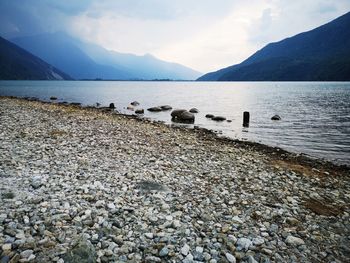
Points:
(93, 186)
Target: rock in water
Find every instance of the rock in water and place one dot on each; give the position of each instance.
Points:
(53, 98)
(154, 109)
(140, 111)
(82, 252)
(111, 106)
(166, 107)
(209, 116)
(176, 113)
(218, 118)
(135, 103)
(194, 110)
(276, 118)
(182, 116)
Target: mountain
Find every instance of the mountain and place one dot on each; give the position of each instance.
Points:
(61, 51)
(88, 61)
(18, 64)
(322, 54)
(140, 67)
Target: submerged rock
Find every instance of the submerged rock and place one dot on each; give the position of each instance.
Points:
(218, 118)
(154, 109)
(276, 118)
(166, 107)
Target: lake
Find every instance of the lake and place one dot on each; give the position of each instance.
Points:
(315, 115)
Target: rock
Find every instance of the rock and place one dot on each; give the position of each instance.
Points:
(230, 258)
(140, 111)
(164, 252)
(276, 118)
(258, 241)
(130, 107)
(154, 109)
(26, 253)
(251, 259)
(82, 252)
(166, 107)
(111, 106)
(149, 235)
(36, 182)
(218, 118)
(182, 116)
(6, 247)
(294, 241)
(176, 113)
(152, 259)
(5, 259)
(53, 98)
(135, 103)
(194, 110)
(185, 249)
(209, 116)
(243, 244)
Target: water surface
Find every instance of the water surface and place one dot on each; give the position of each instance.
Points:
(315, 115)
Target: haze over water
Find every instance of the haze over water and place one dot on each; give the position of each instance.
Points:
(315, 116)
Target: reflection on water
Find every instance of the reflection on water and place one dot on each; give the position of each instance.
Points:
(315, 116)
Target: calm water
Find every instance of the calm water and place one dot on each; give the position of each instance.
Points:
(315, 116)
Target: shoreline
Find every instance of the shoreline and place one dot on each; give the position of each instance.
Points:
(121, 188)
(277, 152)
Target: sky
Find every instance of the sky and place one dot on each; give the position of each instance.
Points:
(205, 35)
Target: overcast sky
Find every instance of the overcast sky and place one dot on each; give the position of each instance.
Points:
(203, 34)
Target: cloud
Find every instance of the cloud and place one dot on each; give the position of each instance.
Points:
(205, 35)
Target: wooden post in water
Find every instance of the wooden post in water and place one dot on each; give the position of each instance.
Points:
(246, 117)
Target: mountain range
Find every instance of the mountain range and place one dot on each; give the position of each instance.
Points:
(322, 54)
(88, 61)
(17, 64)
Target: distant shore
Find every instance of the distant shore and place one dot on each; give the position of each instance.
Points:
(123, 188)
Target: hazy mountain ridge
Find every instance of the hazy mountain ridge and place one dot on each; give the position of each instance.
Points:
(320, 54)
(18, 64)
(88, 61)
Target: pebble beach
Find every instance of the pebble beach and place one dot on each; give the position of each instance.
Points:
(90, 185)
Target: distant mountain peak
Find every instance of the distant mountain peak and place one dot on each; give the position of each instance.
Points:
(319, 54)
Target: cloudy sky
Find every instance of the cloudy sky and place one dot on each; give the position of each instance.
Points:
(203, 34)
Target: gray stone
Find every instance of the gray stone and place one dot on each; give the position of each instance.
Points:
(230, 258)
(185, 249)
(82, 252)
(164, 252)
(243, 244)
(294, 241)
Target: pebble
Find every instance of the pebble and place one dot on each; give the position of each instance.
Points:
(295, 241)
(230, 258)
(185, 249)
